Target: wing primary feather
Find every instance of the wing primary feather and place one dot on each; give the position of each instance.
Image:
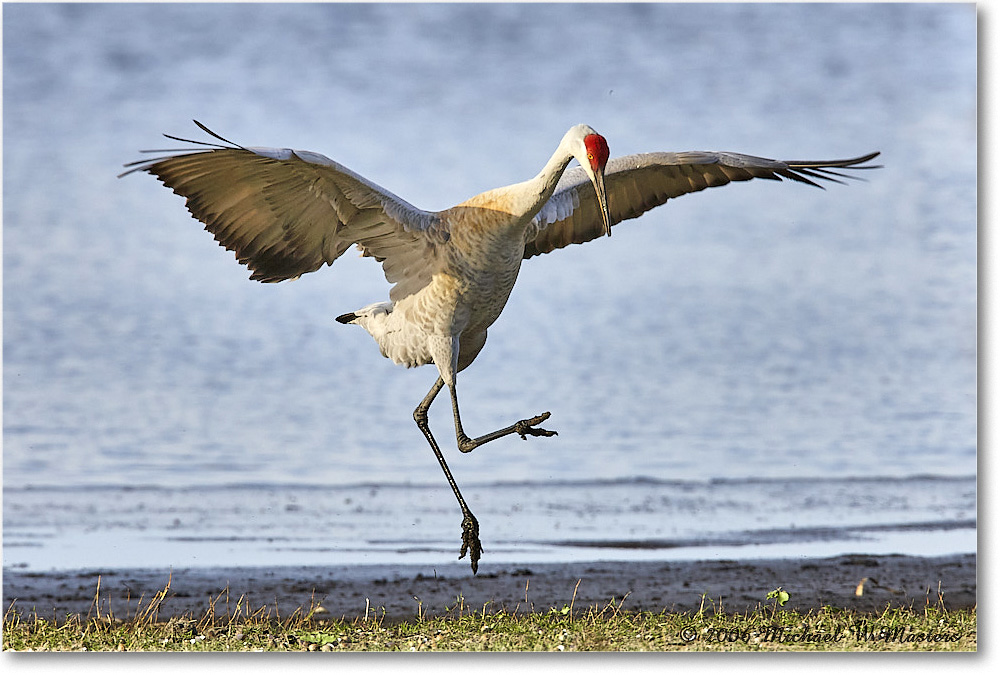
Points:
(190, 140)
(802, 177)
(215, 135)
(836, 163)
(228, 143)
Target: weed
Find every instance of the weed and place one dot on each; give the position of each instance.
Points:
(225, 626)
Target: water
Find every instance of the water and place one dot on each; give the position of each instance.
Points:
(278, 525)
(758, 332)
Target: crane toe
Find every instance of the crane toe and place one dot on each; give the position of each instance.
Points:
(526, 428)
(470, 541)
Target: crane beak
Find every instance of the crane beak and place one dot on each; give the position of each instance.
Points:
(602, 200)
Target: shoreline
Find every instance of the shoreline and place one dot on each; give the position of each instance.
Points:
(400, 592)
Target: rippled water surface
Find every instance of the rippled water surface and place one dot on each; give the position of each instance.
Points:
(276, 525)
(760, 332)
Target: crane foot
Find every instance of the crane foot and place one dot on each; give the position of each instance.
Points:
(470, 541)
(526, 428)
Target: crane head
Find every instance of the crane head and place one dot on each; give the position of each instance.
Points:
(591, 150)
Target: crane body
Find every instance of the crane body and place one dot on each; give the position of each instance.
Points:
(288, 212)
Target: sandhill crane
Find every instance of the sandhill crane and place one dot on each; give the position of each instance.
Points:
(287, 212)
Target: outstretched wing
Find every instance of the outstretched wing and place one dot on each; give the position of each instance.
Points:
(638, 183)
(287, 212)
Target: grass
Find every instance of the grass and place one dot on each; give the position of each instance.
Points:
(770, 627)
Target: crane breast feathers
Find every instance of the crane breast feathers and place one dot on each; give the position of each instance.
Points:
(287, 212)
(637, 183)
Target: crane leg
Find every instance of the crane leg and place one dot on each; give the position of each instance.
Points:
(470, 526)
(523, 428)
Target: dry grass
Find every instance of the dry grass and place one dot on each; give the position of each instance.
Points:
(227, 626)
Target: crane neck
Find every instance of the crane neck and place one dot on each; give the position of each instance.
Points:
(549, 176)
(537, 191)
(524, 200)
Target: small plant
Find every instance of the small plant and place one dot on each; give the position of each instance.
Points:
(779, 596)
